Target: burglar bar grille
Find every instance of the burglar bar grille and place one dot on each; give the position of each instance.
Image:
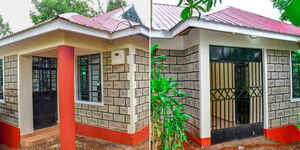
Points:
(236, 92)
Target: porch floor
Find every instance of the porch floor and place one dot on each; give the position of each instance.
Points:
(40, 136)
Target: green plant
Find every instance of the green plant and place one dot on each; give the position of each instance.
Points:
(48, 9)
(199, 5)
(289, 9)
(167, 119)
(115, 4)
(4, 27)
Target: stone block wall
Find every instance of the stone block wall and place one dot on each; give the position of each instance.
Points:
(281, 110)
(9, 110)
(114, 113)
(142, 76)
(183, 65)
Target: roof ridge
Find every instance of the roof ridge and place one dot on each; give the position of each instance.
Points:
(167, 4)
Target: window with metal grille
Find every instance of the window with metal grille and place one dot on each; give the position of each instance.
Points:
(1, 81)
(295, 59)
(89, 78)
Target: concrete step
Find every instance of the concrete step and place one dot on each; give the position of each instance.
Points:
(40, 136)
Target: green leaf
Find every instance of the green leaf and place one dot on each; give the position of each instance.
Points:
(180, 3)
(197, 3)
(185, 13)
(209, 5)
(297, 125)
(175, 146)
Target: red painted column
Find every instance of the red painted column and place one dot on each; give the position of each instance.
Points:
(66, 97)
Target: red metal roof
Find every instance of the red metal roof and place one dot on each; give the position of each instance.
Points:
(165, 17)
(107, 22)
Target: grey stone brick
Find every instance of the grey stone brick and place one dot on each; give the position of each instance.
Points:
(92, 121)
(118, 126)
(113, 76)
(97, 115)
(103, 123)
(279, 113)
(113, 109)
(119, 101)
(119, 118)
(107, 116)
(118, 68)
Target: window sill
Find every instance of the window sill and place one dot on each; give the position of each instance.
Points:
(89, 103)
(295, 100)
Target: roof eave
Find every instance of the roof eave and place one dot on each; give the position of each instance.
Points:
(216, 26)
(63, 24)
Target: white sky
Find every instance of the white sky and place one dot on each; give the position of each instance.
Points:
(261, 7)
(17, 11)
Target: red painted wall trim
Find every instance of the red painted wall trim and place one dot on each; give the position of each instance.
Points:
(201, 141)
(112, 135)
(284, 134)
(9, 135)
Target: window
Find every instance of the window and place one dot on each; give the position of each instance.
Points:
(1, 81)
(295, 75)
(89, 78)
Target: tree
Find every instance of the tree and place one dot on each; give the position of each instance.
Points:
(114, 4)
(289, 9)
(4, 27)
(199, 5)
(48, 9)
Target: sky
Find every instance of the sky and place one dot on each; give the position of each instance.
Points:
(261, 7)
(16, 12)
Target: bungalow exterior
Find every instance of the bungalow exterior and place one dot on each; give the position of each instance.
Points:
(241, 71)
(89, 76)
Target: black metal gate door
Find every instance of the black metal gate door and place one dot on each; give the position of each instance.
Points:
(236, 93)
(44, 80)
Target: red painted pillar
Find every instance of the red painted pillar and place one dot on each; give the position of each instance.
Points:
(66, 97)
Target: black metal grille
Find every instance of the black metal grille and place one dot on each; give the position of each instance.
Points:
(89, 78)
(236, 93)
(296, 74)
(44, 87)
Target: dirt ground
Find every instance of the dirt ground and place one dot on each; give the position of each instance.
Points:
(84, 143)
(256, 143)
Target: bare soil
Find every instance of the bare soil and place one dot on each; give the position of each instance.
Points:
(256, 143)
(84, 143)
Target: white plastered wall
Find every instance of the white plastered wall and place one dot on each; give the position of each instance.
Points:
(208, 37)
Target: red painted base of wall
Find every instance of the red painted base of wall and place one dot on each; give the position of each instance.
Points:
(112, 135)
(9, 135)
(201, 142)
(284, 134)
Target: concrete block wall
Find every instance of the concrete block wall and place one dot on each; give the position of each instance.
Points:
(281, 110)
(114, 113)
(183, 65)
(142, 76)
(9, 110)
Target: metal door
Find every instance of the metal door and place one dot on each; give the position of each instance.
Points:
(44, 80)
(236, 93)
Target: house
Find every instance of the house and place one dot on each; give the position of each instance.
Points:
(89, 76)
(241, 71)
